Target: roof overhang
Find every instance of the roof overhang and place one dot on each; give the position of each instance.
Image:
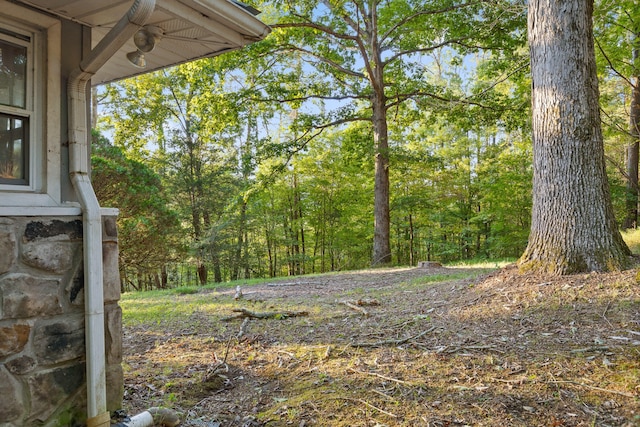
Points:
(192, 29)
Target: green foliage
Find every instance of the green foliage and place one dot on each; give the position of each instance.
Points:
(266, 158)
(461, 195)
(148, 228)
(259, 163)
(617, 34)
(363, 60)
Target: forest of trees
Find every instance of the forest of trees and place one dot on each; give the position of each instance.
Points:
(358, 133)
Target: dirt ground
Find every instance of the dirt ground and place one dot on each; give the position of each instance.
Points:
(398, 347)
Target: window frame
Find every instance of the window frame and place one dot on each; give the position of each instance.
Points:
(18, 37)
(43, 106)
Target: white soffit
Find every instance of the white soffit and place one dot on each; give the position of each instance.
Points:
(192, 29)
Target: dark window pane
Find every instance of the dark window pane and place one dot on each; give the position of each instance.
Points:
(13, 149)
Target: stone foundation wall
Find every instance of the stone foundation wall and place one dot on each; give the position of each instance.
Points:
(42, 354)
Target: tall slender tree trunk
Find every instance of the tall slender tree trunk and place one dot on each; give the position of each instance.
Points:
(631, 219)
(164, 276)
(295, 225)
(241, 255)
(270, 254)
(217, 268)
(196, 200)
(245, 249)
(573, 228)
(382, 221)
(412, 258)
(303, 253)
(382, 226)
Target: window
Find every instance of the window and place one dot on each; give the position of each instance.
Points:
(15, 108)
(30, 109)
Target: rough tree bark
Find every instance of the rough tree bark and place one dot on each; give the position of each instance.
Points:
(382, 218)
(573, 228)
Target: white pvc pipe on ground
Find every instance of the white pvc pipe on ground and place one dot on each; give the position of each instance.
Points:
(152, 416)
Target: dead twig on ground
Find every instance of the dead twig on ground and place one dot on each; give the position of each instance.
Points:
(327, 352)
(518, 381)
(392, 415)
(590, 349)
(221, 363)
(384, 377)
(458, 349)
(243, 327)
(393, 342)
(244, 313)
(592, 387)
(364, 402)
(604, 314)
(384, 395)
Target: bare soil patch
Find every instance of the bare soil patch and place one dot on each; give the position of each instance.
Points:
(428, 347)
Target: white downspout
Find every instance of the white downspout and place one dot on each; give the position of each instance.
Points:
(135, 18)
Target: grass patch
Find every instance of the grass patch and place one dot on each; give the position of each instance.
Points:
(485, 263)
(448, 277)
(168, 307)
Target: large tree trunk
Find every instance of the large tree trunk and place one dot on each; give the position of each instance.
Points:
(381, 216)
(382, 232)
(573, 228)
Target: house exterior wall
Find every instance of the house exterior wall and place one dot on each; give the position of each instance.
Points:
(42, 371)
(42, 312)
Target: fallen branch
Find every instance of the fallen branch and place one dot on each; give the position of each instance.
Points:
(393, 342)
(359, 303)
(244, 313)
(355, 307)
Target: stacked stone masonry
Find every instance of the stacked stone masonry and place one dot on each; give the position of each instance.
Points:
(42, 335)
